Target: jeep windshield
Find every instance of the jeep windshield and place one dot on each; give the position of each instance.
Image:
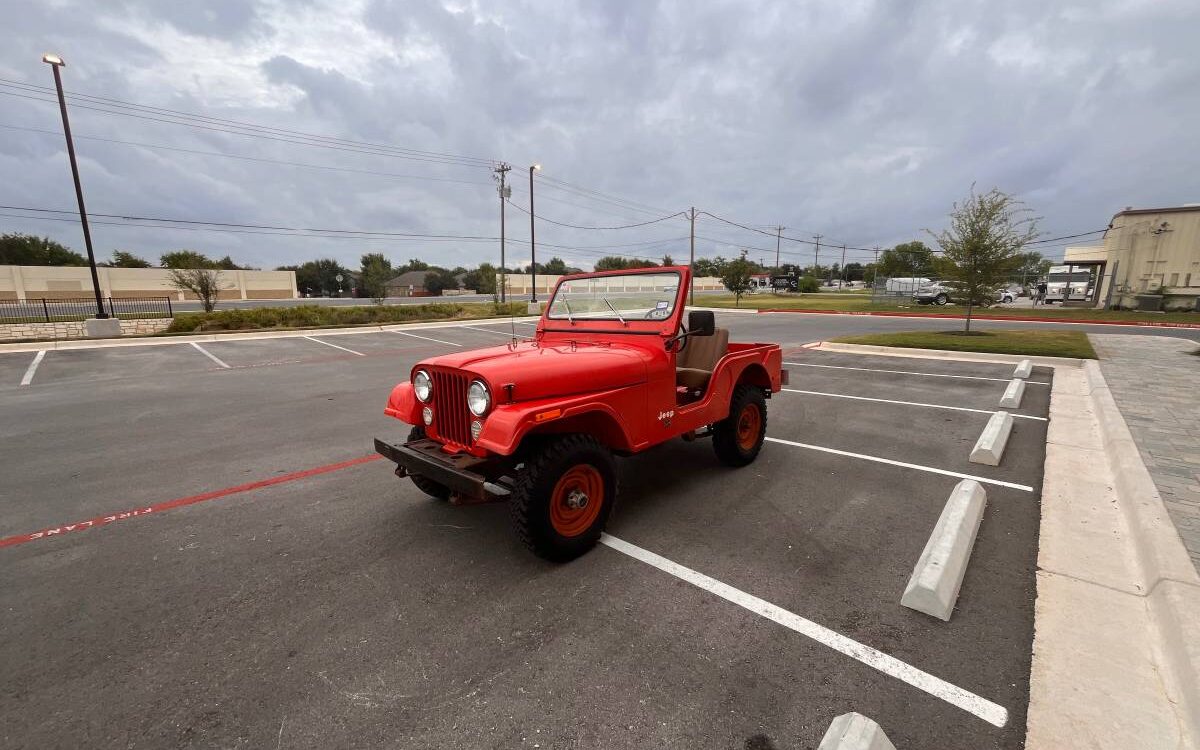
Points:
(621, 297)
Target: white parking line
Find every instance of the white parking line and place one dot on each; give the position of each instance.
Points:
(990, 712)
(891, 462)
(208, 354)
(907, 372)
(909, 403)
(426, 338)
(488, 330)
(37, 360)
(335, 346)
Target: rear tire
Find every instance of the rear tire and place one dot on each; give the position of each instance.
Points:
(941, 299)
(428, 486)
(564, 496)
(738, 438)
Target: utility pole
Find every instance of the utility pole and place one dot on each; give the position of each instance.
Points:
(692, 259)
(505, 192)
(778, 232)
(56, 62)
(843, 275)
(875, 273)
(816, 254)
(532, 245)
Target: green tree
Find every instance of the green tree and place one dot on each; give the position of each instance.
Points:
(31, 250)
(854, 271)
(227, 264)
(736, 277)
(908, 259)
(482, 280)
(413, 264)
(124, 259)
(554, 267)
(186, 259)
(317, 278)
(437, 280)
(668, 260)
(1031, 264)
(983, 245)
(808, 284)
(376, 273)
(611, 263)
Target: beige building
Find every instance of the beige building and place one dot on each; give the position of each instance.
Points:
(63, 282)
(1150, 257)
(520, 285)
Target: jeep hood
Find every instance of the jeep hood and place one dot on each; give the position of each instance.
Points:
(544, 370)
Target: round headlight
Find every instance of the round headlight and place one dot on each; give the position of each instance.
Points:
(479, 400)
(422, 385)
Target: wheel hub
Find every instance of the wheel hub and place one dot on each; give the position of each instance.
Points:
(577, 499)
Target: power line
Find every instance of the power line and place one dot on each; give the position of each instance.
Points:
(246, 158)
(200, 126)
(232, 225)
(239, 124)
(576, 226)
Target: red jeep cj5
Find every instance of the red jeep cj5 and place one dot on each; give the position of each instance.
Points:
(610, 370)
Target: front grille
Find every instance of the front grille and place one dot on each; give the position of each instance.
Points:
(451, 419)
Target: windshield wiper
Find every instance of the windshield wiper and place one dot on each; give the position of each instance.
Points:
(568, 306)
(610, 307)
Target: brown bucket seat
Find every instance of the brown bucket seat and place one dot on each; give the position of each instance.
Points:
(694, 365)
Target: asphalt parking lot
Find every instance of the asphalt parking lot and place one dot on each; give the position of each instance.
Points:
(200, 550)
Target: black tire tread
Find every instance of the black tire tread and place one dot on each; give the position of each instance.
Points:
(725, 432)
(541, 461)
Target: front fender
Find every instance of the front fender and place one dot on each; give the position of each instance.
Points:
(508, 424)
(403, 404)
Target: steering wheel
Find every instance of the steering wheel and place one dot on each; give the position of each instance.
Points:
(658, 313)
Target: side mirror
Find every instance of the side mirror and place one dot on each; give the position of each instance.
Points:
(701, 323)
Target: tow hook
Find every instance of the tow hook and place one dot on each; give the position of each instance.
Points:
(401, 471)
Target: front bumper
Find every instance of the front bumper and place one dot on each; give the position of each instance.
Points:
(480, 479)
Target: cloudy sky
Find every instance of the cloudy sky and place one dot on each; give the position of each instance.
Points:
(860, 121)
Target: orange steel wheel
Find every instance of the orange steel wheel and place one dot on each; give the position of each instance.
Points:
(748, 425)
(576, 501)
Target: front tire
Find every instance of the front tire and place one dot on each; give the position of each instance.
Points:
(564, 496)
(738, 438)
(424, 484)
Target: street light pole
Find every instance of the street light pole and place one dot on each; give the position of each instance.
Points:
(532, 243)
(55, 62)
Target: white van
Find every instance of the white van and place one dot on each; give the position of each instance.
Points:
(905, 285)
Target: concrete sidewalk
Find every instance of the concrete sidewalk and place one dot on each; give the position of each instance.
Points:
(1156, 383)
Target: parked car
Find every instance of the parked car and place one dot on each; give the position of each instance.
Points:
(538, 422)
(932, 294)
(901, 285)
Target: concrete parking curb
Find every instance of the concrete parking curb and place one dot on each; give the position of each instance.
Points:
(989, 448)
(1117, 626)
(1012, 394)
(938, 575)
(854, 731)
(252, 335)
(1024, 369)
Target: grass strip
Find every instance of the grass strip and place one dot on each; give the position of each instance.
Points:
(1029, 343)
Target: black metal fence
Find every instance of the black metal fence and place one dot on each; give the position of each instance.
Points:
(81, 308)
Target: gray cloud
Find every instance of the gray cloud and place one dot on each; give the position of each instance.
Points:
(863, 121)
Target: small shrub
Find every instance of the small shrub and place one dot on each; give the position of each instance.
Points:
(316, 316)
(807, 284)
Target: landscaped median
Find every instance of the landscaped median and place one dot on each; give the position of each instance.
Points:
(861, 304)
(326, 316)
(1033, 343)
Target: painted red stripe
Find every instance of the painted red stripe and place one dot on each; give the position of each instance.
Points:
(1014, 318)
(180, 502)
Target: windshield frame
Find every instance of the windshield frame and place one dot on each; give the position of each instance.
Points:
(622, 318)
